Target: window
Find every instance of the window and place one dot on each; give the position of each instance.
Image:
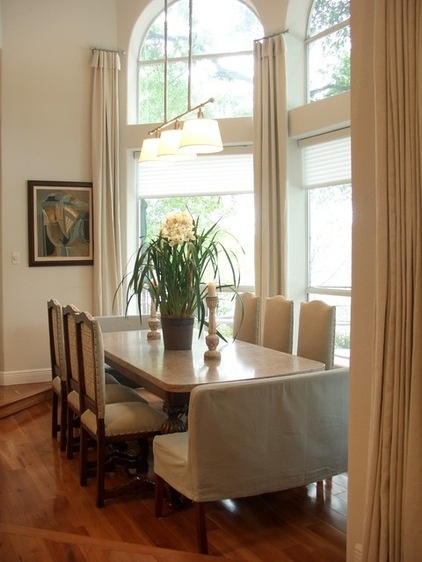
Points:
(222, 60)
(213, 188)
(327, 177)
(328, 43)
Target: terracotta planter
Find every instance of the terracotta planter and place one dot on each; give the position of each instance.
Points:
(177, 332)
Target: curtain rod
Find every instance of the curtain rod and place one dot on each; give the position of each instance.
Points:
(119, 51)
(272, 35)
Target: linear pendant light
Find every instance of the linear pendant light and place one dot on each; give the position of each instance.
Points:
(198, 136)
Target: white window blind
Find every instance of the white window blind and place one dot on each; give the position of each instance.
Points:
(216, 174)
(326, 160)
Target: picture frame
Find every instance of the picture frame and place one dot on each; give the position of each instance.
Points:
(60, 217)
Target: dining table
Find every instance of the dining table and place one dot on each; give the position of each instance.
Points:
(171, 375)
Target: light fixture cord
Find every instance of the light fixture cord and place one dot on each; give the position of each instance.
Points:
(190, 57)
(165, 59)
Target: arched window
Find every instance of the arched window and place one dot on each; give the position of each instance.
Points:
(222, 64)
(328, 43)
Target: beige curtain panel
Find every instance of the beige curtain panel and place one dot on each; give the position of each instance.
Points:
(270, 146)
(105, 174)
(394, 502)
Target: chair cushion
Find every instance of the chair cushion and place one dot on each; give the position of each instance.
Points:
(109, 379)
(57, 385)
(73, 401)
(121, 393)
(116, 393)
(123, 418)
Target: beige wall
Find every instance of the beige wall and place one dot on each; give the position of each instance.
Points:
(45, 132)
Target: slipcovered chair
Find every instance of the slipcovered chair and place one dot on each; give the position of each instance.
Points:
(107, 424)
(58, 371)
(317, 324)
(114, 392)
(278, 324)
(246, 317)
(252, 437)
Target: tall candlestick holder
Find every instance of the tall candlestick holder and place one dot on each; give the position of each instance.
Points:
(153, 323)
(212, 339)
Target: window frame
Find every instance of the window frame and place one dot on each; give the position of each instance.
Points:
(317, 291)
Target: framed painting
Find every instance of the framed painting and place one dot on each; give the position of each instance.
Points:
(60, 223)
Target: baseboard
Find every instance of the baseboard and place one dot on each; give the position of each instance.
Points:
(25, 377)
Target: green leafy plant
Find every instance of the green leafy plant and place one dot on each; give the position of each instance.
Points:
(176, 266)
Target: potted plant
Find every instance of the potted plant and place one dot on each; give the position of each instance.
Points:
(175, 267)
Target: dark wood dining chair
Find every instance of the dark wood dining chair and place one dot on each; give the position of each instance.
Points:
(58, 372)
(114, 392)
(107, 424)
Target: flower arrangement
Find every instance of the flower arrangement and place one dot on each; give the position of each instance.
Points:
(176, 265)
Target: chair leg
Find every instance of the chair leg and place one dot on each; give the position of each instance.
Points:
(100, 473)
(201, 527)
(83, 457)
(158, 495)
(63, 424)
(143, 456)
(70, 433)
(54, 416)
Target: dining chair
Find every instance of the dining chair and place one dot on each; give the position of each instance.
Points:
(58, 371)
(114, 392)
(278, 324)
(317, 323)
(253, 437)
(107, 424)
(246, 317)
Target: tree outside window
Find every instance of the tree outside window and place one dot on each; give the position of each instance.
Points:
(328, 48)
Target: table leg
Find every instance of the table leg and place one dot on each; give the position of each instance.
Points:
(175, 413)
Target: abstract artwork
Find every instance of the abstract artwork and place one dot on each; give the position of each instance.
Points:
(60, 223)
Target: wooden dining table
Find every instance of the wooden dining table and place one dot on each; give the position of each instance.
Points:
(172, 375)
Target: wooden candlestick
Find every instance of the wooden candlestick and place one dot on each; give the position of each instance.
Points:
(153, 323)
(212, 339)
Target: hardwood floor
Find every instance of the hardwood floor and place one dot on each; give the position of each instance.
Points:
(45, 514)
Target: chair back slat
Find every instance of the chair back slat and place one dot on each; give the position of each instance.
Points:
(70, 313)
(91, 364)
(55, 324)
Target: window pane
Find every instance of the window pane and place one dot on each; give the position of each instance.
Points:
(220, 78)
(222, 61)
(325, 14)
(330, 237)
(329, 65)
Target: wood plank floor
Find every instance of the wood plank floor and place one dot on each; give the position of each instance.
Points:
(45, 515)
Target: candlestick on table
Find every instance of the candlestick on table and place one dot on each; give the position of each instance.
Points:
(212, 289)
(153, 323)
(212, 339)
